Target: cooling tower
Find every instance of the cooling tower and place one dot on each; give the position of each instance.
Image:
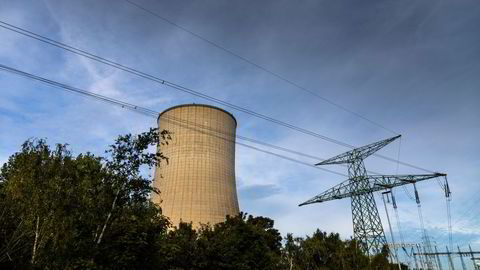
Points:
(198, 183)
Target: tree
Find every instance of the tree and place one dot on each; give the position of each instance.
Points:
(292, 251)
(328, 251)
(64, 212)
(241, 242)
(59, 211)
(180, 249)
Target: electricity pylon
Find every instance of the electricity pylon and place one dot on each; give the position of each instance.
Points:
(367, 226)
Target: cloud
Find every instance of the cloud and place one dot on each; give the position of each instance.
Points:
(409, 66)
(258, 192)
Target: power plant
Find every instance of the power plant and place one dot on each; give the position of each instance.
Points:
(197, 184)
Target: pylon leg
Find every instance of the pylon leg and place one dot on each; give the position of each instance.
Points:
(367, 226)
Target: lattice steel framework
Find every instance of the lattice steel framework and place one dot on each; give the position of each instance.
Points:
(367, 226)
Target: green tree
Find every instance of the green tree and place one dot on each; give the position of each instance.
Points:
(380, 261)
(292, 252)
(329, 251)
(180, 249)
(64, 212)
(241, 242)
(59, 211)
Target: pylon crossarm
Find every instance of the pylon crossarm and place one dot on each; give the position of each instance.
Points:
(350, 188)
(358, 153)
(339, 191)
(380, 182)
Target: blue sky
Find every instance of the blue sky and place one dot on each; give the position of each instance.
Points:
(412, 66)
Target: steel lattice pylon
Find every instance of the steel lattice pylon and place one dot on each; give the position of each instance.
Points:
(367, 226)
(366, 219)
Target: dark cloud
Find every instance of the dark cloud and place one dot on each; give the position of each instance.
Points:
(410, 65)
(257, 192)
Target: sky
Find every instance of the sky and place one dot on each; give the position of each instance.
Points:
(412, 67)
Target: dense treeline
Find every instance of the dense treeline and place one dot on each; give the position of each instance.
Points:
(59, 211)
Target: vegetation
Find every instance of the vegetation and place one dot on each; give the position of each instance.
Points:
(58, 211)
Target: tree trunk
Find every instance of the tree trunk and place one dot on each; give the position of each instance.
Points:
(34, 251)
(108, 218)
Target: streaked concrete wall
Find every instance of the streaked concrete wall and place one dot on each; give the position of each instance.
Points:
(198, 183)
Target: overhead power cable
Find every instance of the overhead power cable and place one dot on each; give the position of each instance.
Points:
(196, 128)
(258, 66)
(468, 210)
(203, 127)
(316, 158)
(174, 120)
(144, 75)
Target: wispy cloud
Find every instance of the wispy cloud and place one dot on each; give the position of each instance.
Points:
(410, 66)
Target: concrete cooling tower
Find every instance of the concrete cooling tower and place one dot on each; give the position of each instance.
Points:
(198, 183)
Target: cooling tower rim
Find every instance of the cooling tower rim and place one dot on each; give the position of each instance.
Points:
(198, 105)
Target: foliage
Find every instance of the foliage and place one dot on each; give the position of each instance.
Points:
(64, 212)
(328, 251)
(59, 211)
(242, 242)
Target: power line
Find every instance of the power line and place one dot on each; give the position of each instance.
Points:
(464, 214)
(171, 119)
(316, 158)
(144, 75)
(161, 81)
(263, 68)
